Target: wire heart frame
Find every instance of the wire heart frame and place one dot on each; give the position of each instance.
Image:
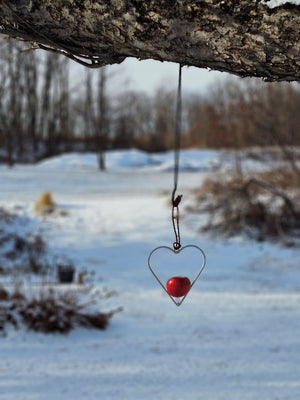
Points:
(177, 300)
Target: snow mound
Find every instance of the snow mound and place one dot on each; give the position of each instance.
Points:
(119, 159)
(127, 159)
(70, 162)
(190, 160)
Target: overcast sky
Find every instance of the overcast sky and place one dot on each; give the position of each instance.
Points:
(148, 75)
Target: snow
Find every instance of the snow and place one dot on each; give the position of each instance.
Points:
(117, 160)
(114, 160)
(129, 160)
(236, 336)
(278, 3)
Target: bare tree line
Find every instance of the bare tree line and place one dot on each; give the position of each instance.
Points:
(244, 113)
(42, 115)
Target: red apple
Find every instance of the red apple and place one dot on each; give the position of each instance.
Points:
(178, 286)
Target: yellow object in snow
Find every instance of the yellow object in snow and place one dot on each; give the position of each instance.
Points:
(45, 204)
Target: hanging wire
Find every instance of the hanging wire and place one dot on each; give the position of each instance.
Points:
(177, 133)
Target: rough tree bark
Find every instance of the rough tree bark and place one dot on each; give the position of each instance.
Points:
(243, 37)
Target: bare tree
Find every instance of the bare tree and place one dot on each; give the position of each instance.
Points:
(275, 113)
(142, 107)
(6, 139)
(102, 119)
(164, 109)
(124, 121)
(63, 104)
(88, 115)
(31, 99)
(44, 125)
(12, 101)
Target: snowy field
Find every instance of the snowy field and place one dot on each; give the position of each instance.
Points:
(237, 334)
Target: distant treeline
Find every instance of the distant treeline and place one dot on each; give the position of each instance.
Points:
(42, 114)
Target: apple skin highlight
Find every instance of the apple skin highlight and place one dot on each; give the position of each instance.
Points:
(178, 286)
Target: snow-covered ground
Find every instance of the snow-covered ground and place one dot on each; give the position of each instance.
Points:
(236, 336)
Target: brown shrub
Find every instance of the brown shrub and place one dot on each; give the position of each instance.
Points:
(53, 310)
(281, 178)
(257, 206)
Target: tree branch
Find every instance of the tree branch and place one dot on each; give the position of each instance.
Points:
(246, 37)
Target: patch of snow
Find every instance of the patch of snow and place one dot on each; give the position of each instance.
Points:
(71, 161)
(117, 160)
(126, 159)
(278, 3)
(189, 160)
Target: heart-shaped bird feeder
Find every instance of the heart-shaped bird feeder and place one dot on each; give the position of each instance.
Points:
(161, 263)
(176, 278)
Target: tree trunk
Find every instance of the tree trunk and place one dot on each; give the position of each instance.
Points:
(46, 118)
(32, 103)
(246, 37)
(101, 128)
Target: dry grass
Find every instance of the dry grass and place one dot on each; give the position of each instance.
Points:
(265, 206)
(45, 204)
(280, 178)
(52, 310)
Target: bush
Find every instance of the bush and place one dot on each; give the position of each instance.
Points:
(27, 253)
(257, 206)
(47, 309)
(20, 249)
(52, 310)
